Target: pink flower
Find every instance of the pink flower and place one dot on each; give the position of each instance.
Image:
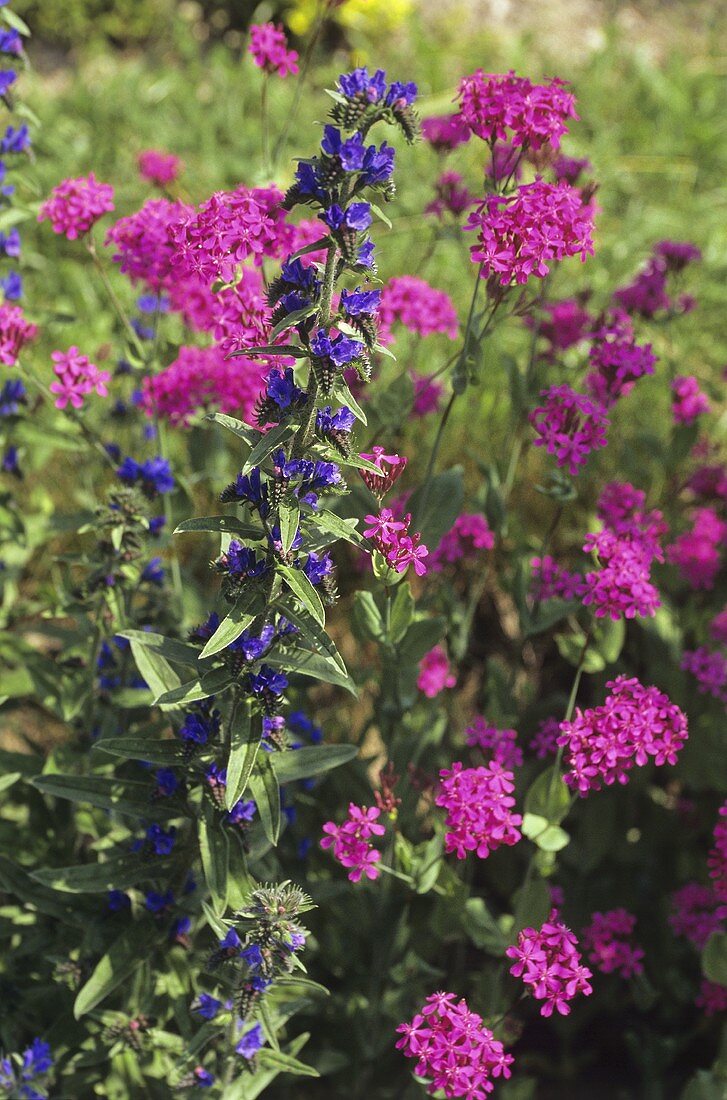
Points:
(502, 107)
(551, 581)
(569, 426)
(688, 402)
(519, 235)
(451, 196)
(268, 46)
(569, 324)
(712, 998)
(76, 377)
(621, 507)
(418, 306)
(496, 744)
(479, 806)
(452, 1046)
(143, 243)
(718, 627)
(350, 841)
(202, 380)
(696, 553)
(469, 533)
(158, 167)
(621, 587)
(696, 913)
(549, 963)
(544, 741)
(634, 724)
(15, 332)
(427, 394)
(391, 467)
(434, 675)
(392, 540)
(616, 365)
(75, 205)
(445, 132)
(608, 941)
(717, 859)
(709, 668)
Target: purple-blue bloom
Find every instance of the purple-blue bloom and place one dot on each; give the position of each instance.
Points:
(342, 420)
(158, 903)
(356, 302)
(12, 286)
(317, 567)
(267, 679)
(12, 396)
(161, 841)
(281, 388)
(166, 781)
(207, 1006)
(251, 1042)
(241, 813)
(118, 900)
(359, 82)
(154, 475)
(10, 244)
(240, 561)
(153, 572)
(231, 941)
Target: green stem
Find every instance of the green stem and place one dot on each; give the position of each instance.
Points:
(118, 308)
(91, 438)
(302, 75)
(568, 715)
(265, 125)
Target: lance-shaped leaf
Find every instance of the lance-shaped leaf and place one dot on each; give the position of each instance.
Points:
(155, 669)
(341, 528)
(153, 750)
(237, 427)
(312, 632)
(343, 394)
(245, 742)
(266, 792)
(303, 662)
(285, 1063)
(245, 611)
(126, 953)
(293, 350)
(14, 880)
(312, 760)
(213, 847)
(293, 318)
(94, 878)
(125, 796)
(266, 445)
(225, 525)
(289, 521)
(194, 690)
(301, 587)
(179, 653)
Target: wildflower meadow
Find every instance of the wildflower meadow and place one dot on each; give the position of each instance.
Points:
(363, 512)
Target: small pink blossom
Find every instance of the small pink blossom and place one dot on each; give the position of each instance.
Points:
(712, 998)
(509, 107)
(76, 377)
(350, 841)
(15, 332)
(609, 944)
(445, 132)
(479, 806)
(621, 587)
(718, 626)
(391, 467)
(469, 533)
(203, 380)
(269, 48)
(544, 741)
(158, 167)
(688, 401)
(717, 859)
(496, 744)
(427, 394)
(696, 553)
(549, 963)
(451, 196)
(75, 205)
(416, 305)
(552, 581)
(709, 668)
(434, 674)
(569, 425)
(696, 913)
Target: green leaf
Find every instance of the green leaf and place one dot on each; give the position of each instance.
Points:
(94, 878)
(224, 525)
(214, 850)
(314, 246)
(420, 637)
(380, 214)
(367, 618)
(237, 427)
(9, 780)
(13, 20)
(311, 632)
(266, 792)
(180, 653)
(306, 663)
(548, 797)
(217, 925)
(549, 838)
(402, 613)
(245, 611)
(570, 647)
(609, 638)
(532, 906)
(302, 588)
(126, 953)
(154, 750)
(244, 746)
(127, 796)
(342, 528)
(15, 880)
(267, 445)
(291, 319)
(714, 958)
(155, 669)
(289, 520)
(312, 760)
(293, 350)
(285, 1063)
(435, 508)
(428, 863)
(482, 928)
(343, 394)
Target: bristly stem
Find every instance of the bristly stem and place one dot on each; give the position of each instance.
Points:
(302, 436)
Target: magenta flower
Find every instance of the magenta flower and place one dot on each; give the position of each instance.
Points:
(418, 306)
(621, 587)
(709, 668)
(508, 107)
(76, 377)
(269, 48)
(544, 741)
(445, 132)
(157, 167)
(696, 553)
(391, 467)
(142, 242)
(479, 806)
(634, 724)
(549, 963)
(15, 332)
(394, 542)
(453, 1048)
(718, 626)
(569, 425)
(75, 205)
(616, 365)
(202, 380)
(427, 394)
(569, 323)
(688, 401)
(622, 509)
(712, 998)
(610, 946)
(551, 581)
(434, 674)
(451, 196)
(697, 912)
(350, 841)
(469, 533)
(717, 859)
(498, 745)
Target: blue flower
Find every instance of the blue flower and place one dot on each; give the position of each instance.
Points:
(231, 942)
(207, 1006)
(199, 726)
(378, 164)
(366, 254)
(240, 561)
(267, 679)
(154, 475)
(242, 812)
(216, 776)
(15, 141)
(118, 900)
(12, 286)
(158, 903)
(153, 572)
(308, 180)
(281, 388)
(317, 567)
(10, 244)
(12, 395)
(300, 723)
(204, 1079)
(356, 302)
(156, 523)
(341, 351)
(11, 42)
(153, 303)
(350, 152)
(400, 94)
(161, 841)
(166, 781)
(142, 331)
(36, 1060)
(253, 956)
(342, 420)
(7, 79)
(295, 273)
(179, 931)
(358, 82)
(205, 630)
(356, 216)
(251, 1042)
(253, 646)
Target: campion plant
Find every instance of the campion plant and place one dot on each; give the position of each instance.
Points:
(419, 835)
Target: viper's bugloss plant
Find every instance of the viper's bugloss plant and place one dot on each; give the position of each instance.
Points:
(319, 725)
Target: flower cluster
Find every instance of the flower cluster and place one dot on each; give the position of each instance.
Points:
(451, 196)
(350, 841)
(548, 961)
(203, 379)
(501, 107)
(24, 1075)
(470, 532)
(717, 859)
(390, 537)
(269, 48)
(647, 295)
(498, 745)
(454, 1049)
(76, 376)
(567, 325)
(622, 508)
(158, 167)
(696, 913)
(521, 234)
(418, 306)
(142, 242)
(621, 587)
(75, 205)
(544, 741)
(390, 468)
(434, 673)
(709, 668)
(609, 943)
(15, 332)
(445, 132)
(696, 553)
(688, 401)
(479, 806)
(712, 998)
(633, 725)
(552, 581)
(616, 365)
(569, 425)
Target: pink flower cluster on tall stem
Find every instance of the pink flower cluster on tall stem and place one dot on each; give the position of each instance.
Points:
(551, 581)
(158, 167)
(569, 425)
(469, 532)
(479, 807)
(634, 724)
(622, 508)
(617, 363)
(434, 673)
(392, 539)
(509, 107)
(416, 305)
(76, 376)
(569, 324)
(15, 332)
(549, 963)
(143, 245)
(445, 132)
(712, 998)
(75, 205)
(688, 401)
(544, 741)
(390, 468)
(496, 744)
(350, 841)
(452, 1046)
(520, 235)
(696, 913)
(709, 668)
(608, 940)
(202, 379)
(696, 553)
(269, 48)
(621, 587)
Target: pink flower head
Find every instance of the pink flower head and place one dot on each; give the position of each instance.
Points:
(306, 232)
(569, 324)
(451, 196)
(479, 807)
(445, 132)
(696, 913)
(350, 841)
(717, 859)
(697, 552)
(633, 725)
(503, 107)
(551, 581)
(469, 533)
(709, 668)
(688, 401)
(544, 741)
(15, 332)
(427, 394)
(616, 365)
(677, 254)
(519, 235)
(391, 466)
(418, 306)
(569, 425)
(76, 377)
(718, 626)
(549, 963)
(570, 169)
(609, 943)
(240, 314)
(496, 744)
(202, 380)
(621, 587)
(158, 167)
(647, 294)
(452, 1046)
(709, 482)
(269, 48)
(394, 542)
(621, 507)
(75, 205)
(434, 674)
(712, 998)
(143, 243)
